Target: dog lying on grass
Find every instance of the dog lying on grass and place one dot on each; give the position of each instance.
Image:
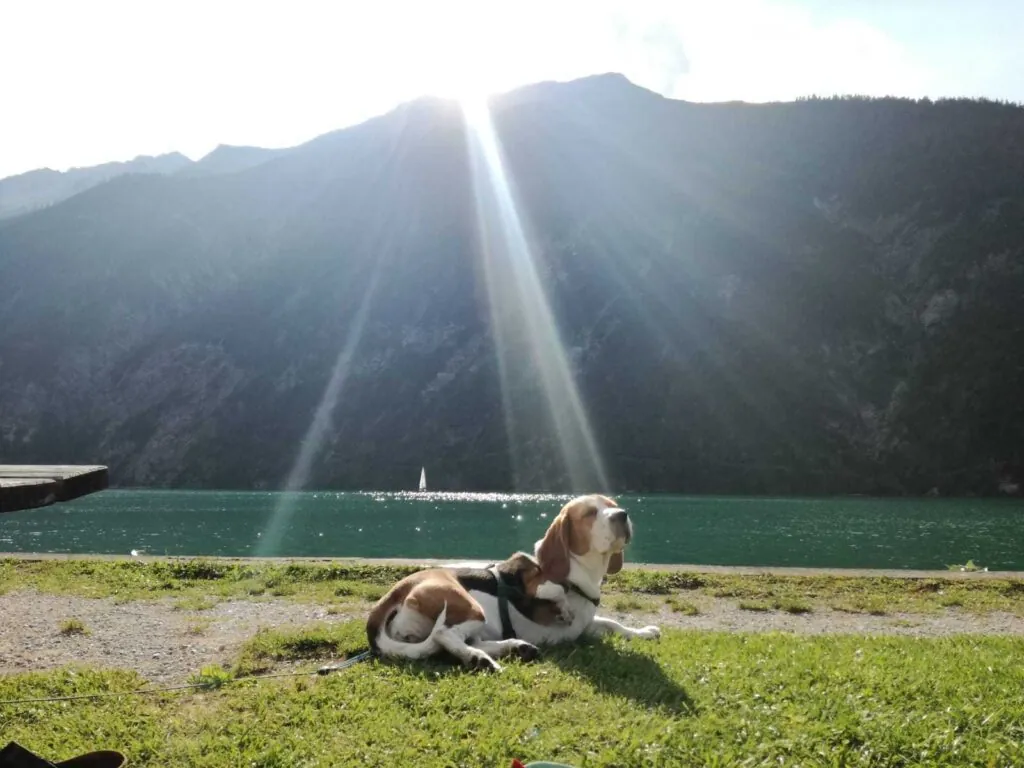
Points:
(512, 607)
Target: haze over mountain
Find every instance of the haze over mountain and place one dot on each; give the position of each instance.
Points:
(30, 191)
(37, 189)
(809, 297)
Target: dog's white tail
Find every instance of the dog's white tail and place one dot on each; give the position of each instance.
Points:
(388, 646)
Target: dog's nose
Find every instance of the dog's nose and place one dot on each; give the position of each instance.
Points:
(619, 516)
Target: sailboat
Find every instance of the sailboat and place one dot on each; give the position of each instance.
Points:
(423, 479)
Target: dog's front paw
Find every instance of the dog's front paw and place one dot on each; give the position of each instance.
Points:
(565, 614)
(648, 633)
(526, 651)
(481, 662)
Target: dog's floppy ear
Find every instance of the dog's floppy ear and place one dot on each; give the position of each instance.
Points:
(553, 552)
(615, 563)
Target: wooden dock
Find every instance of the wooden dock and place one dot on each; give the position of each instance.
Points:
(33, 486)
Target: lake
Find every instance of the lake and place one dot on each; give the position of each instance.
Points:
(838, 532)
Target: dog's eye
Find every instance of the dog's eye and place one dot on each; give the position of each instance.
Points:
(591, 511)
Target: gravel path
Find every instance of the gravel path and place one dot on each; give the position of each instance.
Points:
(161, 643)
(167, 645)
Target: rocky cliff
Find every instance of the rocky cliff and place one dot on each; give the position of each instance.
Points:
(816, 297)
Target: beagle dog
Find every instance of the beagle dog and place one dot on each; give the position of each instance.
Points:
(511, 608)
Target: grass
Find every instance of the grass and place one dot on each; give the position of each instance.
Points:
(211, 677)
(692, 699)
(859, 604)
(73, 627)
(628, 604)
(791, 605)
(198, 627)
(684, 607)
(194, 603)
(753, 605)
(787, 605)
(323, 642)
(198, 584)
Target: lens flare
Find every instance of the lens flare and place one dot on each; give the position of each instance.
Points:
(270, 541)
(530, 351)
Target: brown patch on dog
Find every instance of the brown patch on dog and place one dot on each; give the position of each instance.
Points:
(425, 592)
(529, 570)
(581, 517)
(534, 579)
(429, 597)
(553, 552)
(532, 575)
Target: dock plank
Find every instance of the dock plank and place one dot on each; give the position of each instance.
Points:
(30, 486)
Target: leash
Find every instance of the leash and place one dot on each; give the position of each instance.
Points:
(351, 661)
(324, 670)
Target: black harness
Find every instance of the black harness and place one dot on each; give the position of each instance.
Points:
(507, 588)
(505, 591)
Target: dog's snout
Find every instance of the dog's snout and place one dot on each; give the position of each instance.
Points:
(621, 526)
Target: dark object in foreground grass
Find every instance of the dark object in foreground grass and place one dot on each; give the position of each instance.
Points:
(16, 756)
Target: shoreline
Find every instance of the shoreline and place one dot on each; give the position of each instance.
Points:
(738, 570)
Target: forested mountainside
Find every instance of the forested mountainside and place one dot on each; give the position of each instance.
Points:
(824, 296)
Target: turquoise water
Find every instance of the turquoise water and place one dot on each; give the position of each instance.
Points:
(847, 532)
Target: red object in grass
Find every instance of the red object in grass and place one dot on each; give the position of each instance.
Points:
(517, 764)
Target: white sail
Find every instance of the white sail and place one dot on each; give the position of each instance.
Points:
(423, 479)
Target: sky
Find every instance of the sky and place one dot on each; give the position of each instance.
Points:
(83, 83)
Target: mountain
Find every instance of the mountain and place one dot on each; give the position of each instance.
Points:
(30, 191)
(37, 189)
(230, 159)
(814, 297)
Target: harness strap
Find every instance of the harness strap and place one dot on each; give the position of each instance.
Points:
(507, 632)
(572, 586)
(504, 590)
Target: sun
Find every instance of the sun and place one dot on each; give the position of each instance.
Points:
(469, 92)
(475, 111)
(467, 75)
(474, 101)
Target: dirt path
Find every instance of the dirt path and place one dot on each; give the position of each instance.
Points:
(166, 645)
(161, 643)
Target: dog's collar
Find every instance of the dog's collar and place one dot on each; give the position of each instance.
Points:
(579, 591)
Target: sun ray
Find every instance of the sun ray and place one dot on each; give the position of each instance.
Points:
(309, 449)
(527, 340)
(381, 240)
